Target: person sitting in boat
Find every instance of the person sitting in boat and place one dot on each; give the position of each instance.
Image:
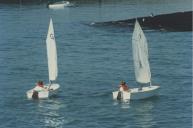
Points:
(123, 86)
(40, 83)
(39, 86)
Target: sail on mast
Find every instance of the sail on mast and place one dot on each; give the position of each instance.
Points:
(140, 55)
(51, 53)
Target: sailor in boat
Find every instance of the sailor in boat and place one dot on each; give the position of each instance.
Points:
(123, 86)
(39, 86)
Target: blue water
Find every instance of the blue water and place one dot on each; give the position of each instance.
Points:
(91, 63)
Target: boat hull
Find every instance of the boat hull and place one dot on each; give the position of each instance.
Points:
(59, 5)
(137, 93)
(45, 93)
(56, 6)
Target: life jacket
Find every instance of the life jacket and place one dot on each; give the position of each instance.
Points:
(40, 85)
(123, 88)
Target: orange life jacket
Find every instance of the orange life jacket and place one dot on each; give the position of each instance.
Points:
(40, 85)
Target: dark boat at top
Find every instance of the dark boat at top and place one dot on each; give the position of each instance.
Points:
(180, 21)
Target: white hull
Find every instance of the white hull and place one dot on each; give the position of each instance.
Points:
(137, 93)
(59, 5)
(56, 6)
(44, 93)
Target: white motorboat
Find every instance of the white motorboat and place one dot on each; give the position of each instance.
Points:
(52, 87)
(59, 5)
(142, 69)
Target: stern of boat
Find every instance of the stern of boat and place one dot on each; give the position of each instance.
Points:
(115, 94)
(33, 94)
(121, 95)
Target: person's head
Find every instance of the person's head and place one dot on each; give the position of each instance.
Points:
(122, 82)
(40, 82)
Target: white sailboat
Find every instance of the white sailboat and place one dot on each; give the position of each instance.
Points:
(48, 89)
(142, 69)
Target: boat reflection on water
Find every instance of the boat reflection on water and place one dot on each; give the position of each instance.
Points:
(123, 104)
(50, 110)
(144, 114)
(140, 112)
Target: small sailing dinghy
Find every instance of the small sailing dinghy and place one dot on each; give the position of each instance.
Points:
(59, 5)
(51, 88)
(142, 69)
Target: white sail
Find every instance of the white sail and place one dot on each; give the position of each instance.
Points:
(140, 55)
(51, 53)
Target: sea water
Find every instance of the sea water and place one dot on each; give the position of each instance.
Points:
(91, 63)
